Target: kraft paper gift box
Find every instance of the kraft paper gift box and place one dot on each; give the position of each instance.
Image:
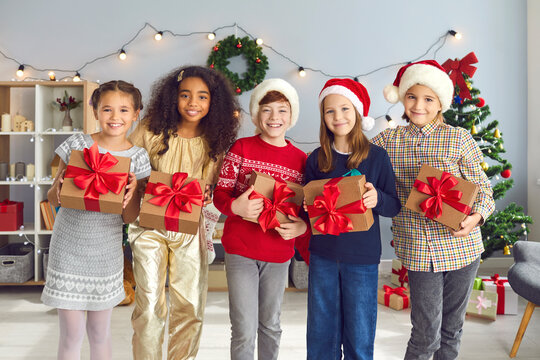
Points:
(280, 199)
(172, 202)
(399, 274)
(457, 196)
(507, 299)
(11, 215)
(482, 304)
(94, 181)
(342, 197)
(395, 298)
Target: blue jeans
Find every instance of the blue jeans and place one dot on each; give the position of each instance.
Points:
(342, 309)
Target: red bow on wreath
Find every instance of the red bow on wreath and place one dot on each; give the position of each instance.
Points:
(333, 220)
(439, 191)
(176, 197)
(456, 69)
(268, 217)
(96, 180)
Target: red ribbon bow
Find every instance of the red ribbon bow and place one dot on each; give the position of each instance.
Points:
(388, 291)
(96, 180)
(402, 275)
(268, 217)
(176, 197)
(332, 220)
(500, 292)
(4, 205)
(439, 191)
(456, 68)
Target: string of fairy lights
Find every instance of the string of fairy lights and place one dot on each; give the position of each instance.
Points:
(161, 34)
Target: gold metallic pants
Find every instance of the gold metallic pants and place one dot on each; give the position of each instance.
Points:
(185, 256)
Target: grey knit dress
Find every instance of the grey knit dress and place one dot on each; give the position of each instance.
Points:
(85, 270)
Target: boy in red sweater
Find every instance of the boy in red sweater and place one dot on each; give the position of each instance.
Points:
(257, 262)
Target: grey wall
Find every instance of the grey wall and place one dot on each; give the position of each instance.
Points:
(339, 37)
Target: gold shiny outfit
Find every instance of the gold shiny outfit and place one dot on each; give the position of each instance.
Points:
(184, 256)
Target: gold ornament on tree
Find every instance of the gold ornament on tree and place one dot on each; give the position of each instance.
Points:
(473, 130)
(484, 165)
(506, 250)
(66, 104)
(497, 134)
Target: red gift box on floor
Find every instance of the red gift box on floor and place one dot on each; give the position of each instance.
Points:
(442, 197)
(11, 215)
(172, 202)
(94, 181)
(395, 298)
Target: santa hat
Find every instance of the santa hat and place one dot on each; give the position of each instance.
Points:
(357, 95)
(278, 85)
(428, 73)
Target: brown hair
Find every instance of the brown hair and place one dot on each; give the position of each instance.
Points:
(117, 85)
(273, 96)
(358, 144)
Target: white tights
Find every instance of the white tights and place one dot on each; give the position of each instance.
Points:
(72, 328)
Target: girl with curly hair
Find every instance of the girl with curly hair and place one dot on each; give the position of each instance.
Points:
(191, 122)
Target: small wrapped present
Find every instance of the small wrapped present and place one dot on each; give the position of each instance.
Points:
(11, 215)
(94, 181)
(335, 206)
(478, 284)
(399, 274)
(483, 304)
(442, 197)
(281, 198)
(395, 298)
(507, 299)
(172, 202)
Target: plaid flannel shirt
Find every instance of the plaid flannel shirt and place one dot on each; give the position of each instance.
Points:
(418, 241)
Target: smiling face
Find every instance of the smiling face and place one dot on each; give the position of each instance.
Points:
(422, 105)
(339, 115)
(193, 99)
(116, 113)
(274, 120)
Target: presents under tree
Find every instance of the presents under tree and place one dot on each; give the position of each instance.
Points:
(483, 304)
(507, 299)
(395, 298)
(399, 274)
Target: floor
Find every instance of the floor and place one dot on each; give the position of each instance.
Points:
(30, 330)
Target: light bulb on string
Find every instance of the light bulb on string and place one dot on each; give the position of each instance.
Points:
(211, 36)
(259, 41)
(301, 72)
(52, 76)
(122, 56)
(455, 34)
(77, 77)
(391, 123)
(158, 36)
(20, 71)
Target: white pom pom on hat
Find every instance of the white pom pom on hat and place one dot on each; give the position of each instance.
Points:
(278, 85)
(357, 95)
(426, 72)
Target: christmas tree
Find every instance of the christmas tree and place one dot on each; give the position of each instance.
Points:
(504, 227)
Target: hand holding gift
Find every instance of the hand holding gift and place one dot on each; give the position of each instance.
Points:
(245, 207)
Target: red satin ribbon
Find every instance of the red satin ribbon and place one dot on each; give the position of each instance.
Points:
(96, 180)
(388, 291)
(4, 205)
(456, 69)
(439, 192)
(268, 217)
(402, 275)
(333, 220)
(176, 197)
(500, 292)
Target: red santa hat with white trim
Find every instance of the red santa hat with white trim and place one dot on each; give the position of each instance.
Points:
(426, 72)
(357, 95)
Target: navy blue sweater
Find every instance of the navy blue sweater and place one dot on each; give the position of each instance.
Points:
(362, 247)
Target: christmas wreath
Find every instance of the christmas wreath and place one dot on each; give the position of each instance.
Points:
(257, 62)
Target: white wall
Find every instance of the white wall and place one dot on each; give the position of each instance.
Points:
(339, 37)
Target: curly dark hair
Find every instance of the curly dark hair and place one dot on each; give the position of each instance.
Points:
(219, 127)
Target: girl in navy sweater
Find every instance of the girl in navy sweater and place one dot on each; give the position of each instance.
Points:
(343, 271)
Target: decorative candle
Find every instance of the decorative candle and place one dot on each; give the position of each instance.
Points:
(4, 166)
(12, 171)
(19, 170)
(6, 122)
(30, 171)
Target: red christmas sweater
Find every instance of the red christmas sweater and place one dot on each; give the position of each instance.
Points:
(243, 237)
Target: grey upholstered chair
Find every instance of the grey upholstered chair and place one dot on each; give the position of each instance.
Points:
(523, 277)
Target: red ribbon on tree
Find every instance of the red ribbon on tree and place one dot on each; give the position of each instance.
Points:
(268, 217)
(402, 275)
(176, 197)
(500, 292)
(456, 68)
(439, 191)
(333, 220)
(96, 180)
(388, 291)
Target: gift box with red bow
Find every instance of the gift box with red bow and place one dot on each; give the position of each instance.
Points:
(335, 206)
(94, 181)
(11, 215)
(442, 197)
(395, 298)
(399, 274)
(482, 304)
(507, 299)
(172, 202)
(281, 198)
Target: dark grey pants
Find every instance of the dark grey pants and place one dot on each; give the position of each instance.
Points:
(438, 304)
